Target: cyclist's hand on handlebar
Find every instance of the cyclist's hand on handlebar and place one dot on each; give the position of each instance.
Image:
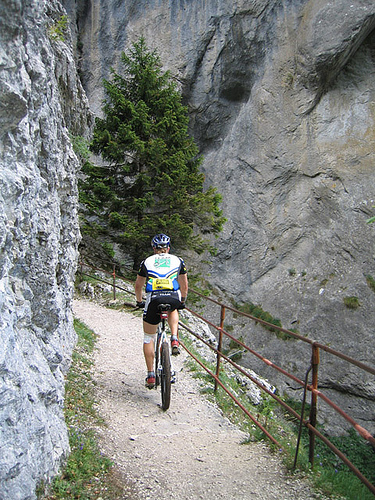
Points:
(141, 304)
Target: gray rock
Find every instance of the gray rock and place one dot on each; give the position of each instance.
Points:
(42, 102)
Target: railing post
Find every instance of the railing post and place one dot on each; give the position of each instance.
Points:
(314, 397)
(220, 342)
(114, 282)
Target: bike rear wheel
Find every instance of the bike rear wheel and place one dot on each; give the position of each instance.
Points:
(165, 376)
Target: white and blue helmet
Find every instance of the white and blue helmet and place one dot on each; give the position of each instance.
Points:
(160, 241)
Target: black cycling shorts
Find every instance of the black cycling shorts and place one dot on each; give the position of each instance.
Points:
(150, 312)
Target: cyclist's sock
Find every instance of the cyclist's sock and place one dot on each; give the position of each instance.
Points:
(150, 374)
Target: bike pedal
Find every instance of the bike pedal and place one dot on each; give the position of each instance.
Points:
(175, 351)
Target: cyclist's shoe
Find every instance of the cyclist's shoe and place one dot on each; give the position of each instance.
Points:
(150, 381)
(173, 377)
(175, 345)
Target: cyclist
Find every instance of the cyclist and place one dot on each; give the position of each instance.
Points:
(165, 277)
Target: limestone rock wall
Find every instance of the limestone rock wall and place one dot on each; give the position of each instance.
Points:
(281, 95)
(41, 103)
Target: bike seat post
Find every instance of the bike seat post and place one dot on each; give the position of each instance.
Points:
(163, 317)
(163, 311)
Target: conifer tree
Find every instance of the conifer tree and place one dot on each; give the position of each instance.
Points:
(150, 180)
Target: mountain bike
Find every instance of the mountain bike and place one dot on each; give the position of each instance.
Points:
(163, 365)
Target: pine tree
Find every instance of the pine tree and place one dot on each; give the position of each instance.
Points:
(150, 181)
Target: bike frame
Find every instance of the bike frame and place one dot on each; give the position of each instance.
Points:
(163, 365)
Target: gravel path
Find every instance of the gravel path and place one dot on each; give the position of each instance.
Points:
(190, 451)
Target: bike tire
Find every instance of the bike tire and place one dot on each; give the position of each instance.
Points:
(165, 376)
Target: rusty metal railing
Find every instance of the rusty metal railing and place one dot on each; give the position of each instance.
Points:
(313, 387)
(313, 367)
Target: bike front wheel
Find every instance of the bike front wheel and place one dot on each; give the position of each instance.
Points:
(165, 376)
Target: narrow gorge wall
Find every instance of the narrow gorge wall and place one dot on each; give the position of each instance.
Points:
(281, 96)
(41, 102)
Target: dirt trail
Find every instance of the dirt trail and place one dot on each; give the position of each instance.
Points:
(188, 452)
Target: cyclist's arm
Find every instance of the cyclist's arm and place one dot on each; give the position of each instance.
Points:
(139, 284)
(183, 282)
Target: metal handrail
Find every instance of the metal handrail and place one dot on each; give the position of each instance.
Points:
(311, 426)
(313, 387)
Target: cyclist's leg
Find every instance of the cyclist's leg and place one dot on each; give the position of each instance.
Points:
(173, 318)
(173, 322)
(150, 326)
(149, 344)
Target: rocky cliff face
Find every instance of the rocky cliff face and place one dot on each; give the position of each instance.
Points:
(41, 102)
(281, 96)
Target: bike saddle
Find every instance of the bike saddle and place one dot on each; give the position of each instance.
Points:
(164, 307)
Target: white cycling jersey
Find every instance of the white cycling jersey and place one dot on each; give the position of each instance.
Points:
(161, 271)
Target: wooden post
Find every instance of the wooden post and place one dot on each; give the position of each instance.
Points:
(114, 282)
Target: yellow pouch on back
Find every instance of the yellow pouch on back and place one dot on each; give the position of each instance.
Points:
(162, 284)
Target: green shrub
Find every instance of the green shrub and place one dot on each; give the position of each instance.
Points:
(258, 312)
(80, 146)
(108, 248)
(371, 282)
(351, 302)
(57, 30)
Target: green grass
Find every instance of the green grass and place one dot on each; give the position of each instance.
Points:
(87, 474)
(333, 476)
